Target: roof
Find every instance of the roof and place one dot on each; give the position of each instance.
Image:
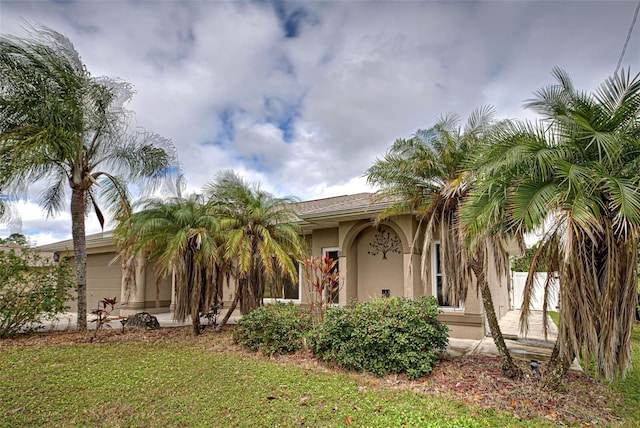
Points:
(100, 239)
(326, 212)
(358, 201)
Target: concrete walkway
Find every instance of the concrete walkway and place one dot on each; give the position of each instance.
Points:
(532, 345)
(68, 321)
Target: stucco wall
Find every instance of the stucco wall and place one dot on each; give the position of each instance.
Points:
(324, 238)
(164, 288)
(374, 272)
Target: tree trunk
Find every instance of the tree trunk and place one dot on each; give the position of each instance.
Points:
(195, 320)
(243, 295)
(78, 210)
(230, 311)
(558, 368)
(509, 368)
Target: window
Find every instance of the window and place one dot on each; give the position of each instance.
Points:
(438, 289)
(333, 255)
(284, 288)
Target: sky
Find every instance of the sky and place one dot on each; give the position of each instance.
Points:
(302, 97)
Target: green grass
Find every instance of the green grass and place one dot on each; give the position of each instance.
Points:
(133, 384)
(127, 384)
(555, 316)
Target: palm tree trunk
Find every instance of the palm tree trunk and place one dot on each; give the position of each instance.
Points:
(78, 210)
(195, 320)
(558, 368)
(243, 295)
(509, 368)
(232, 308)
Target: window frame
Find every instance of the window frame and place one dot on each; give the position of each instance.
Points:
(435, 273)
(295, 301)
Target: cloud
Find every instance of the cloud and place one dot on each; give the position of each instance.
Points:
(303, 96)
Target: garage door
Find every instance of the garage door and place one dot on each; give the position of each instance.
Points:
(103, 280)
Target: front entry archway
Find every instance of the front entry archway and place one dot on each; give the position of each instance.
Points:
(380, 270)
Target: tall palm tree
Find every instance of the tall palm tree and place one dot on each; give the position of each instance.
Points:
(262, 236)
(577, 172)
(427, 176)
(61, 126)
(181, 238)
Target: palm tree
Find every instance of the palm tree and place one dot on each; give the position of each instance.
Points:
(577, 172)
(426, 176)
(181, 238)
(9, 216)
(262, 236)
(61, 126)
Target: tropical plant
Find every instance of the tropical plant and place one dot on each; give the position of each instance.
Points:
(323, 285)
(64, 127)
(576, 172)
(182, 238)
(103, 314)
(262, 238)
(427, 176)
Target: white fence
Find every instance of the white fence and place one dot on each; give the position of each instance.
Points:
(517, 291)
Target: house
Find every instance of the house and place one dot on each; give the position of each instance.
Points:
(104, 277)
(373, 261)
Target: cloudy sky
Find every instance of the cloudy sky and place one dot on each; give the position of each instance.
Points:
(303, 96)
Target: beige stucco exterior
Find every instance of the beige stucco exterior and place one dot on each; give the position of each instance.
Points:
(371, 258)
(104, 278)
(364, 275)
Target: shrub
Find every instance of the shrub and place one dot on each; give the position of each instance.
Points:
(31, 289)
(386, 335)
(277, 328)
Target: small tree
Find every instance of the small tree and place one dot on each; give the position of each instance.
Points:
(31, 289)
(322, 285)
(15, 239)
(523, 263)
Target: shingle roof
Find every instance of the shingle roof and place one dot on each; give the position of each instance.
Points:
(336, 203)
(320, 208)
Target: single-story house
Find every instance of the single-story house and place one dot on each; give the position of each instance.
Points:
(372, 262)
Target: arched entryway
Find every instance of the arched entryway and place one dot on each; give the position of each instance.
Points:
(375, 261)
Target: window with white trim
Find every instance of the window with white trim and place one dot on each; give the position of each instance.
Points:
(437, 279)
(284, 288)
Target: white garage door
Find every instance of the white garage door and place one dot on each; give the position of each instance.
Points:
(103, 280)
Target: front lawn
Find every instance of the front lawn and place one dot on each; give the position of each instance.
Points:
(167, 379)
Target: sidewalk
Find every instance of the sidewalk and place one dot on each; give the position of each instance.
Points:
(68, 321)
(533, 345)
